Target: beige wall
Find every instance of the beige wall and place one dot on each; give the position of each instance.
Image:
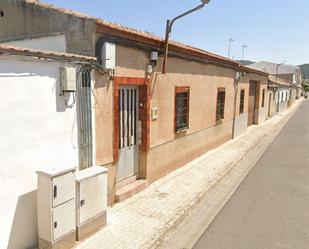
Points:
(169, 156)
(202, 79)
(203, 94)
(262, 80)
(104, 119)
(203, 133)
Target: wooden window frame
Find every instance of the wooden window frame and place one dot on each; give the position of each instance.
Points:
(242, 101)
(220, 117)
(181, 90)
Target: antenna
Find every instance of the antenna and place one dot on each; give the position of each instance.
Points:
(230, 43)
(243, 50)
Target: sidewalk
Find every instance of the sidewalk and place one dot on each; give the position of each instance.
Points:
(141, 221)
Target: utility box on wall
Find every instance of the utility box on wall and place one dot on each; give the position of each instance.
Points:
(108, 55)
(56, 206)
(68, 79)
(91, 200)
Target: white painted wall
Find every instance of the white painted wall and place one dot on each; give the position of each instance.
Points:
(52, 43)
(37, 130)
(260, 115)
(241, 124)
(283, 95)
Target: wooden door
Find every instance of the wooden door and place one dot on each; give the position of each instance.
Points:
(252, 100)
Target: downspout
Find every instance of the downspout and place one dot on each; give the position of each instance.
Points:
(236, 81)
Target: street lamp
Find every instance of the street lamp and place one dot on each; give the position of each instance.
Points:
(169, 25)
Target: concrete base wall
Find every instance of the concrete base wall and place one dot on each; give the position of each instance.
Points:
(283, 106)
(260, 115)
(241, 124)
(167, 157)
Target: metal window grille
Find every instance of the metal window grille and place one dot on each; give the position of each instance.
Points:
(220, 105)
(182, 111)
(128, 112)
(242, 101)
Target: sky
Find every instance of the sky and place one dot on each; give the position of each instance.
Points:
(273, 30)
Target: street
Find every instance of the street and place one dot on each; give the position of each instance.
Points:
(269, 210)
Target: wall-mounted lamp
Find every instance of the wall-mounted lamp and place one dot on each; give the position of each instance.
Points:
(238, 76)
(154, 58)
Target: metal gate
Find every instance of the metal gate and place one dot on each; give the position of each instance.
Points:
(84, 118)
(128, 140)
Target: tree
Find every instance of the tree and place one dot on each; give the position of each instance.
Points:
(306, 85)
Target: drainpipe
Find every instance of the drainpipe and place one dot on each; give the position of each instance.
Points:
(236, 81)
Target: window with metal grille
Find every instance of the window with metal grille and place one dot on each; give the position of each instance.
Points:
(182, 97)
(220, 104)
(242, 101)
(263, 98)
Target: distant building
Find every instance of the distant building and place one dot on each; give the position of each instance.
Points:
(246, 62)
(285, 72)
(288, 72)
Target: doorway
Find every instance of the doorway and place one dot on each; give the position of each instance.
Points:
(252, 102)
(128, 140)
(269, 104)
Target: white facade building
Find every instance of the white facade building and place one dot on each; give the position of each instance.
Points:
(38, 128)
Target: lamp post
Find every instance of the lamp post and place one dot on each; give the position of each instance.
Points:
(169, 25)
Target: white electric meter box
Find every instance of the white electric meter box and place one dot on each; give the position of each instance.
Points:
(68, 79)
(108, 55)
(56, 208)
(91, 200)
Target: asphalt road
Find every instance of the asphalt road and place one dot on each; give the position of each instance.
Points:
(270, 209)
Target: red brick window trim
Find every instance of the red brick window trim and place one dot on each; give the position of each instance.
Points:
(220, 104)
(182, 104)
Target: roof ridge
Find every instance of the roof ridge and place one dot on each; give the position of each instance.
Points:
(142, 34)
(136, 31)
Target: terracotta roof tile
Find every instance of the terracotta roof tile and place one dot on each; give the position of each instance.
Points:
(280, 81)
(132, 31)
(147, 35)
(42, 53)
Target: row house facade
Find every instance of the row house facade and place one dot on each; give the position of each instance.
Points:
(139, 123)
(146, 123)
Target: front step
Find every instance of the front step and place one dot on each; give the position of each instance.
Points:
(130, 189)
